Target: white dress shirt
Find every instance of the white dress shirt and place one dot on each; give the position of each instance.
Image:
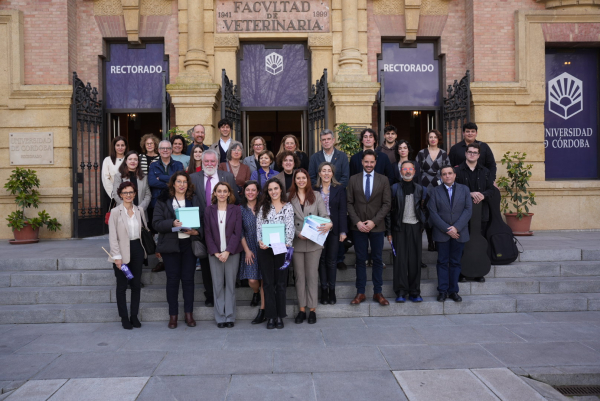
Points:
(329, 157)
(225, 145)
(370, 181)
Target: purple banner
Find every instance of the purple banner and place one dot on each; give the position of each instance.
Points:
(274, 77)
(411, 75)
(134, 77)
(571, 114)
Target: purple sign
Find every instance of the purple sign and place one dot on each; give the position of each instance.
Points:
(411, 75)
(274, 77)
(134, 77)
(571, 114)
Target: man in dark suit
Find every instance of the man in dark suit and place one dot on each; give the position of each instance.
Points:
(368, 139)
(450, 209)
(369, 201)
(330, 154)
(204, 181)
(457, 154)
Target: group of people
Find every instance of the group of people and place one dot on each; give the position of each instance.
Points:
(379, 193)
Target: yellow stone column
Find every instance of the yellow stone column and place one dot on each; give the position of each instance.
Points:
(195, 95)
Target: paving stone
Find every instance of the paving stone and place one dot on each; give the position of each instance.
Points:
(65, 343)
(10, 342)
(429, 306)
(481, 304)
(330, 359)
(566, 375)
(592, 344)
(21, 264)
(18, 296)
(543, 354)
(53, 328)
(45, 279)
(454, 384)
(215, 362)
(447, 356)
(550, 255)
(590, 254)
(593, 302)
(343, 309)
(542, 332)
(97, 365)
(403, 321)
(492, 318)
(344, 386)
(35, 390)
(32, 313)
(23, 367)
(506, 385)
(545, 390)
(201, 388)
(354, 337)
(174, 340)
(550, 302)
(92, 313)
(287, 339)
(518, 269)
(101, 389)
(570, 285)
(506, 286)
(84, 264)
(584, 316)
(4, 279)
(271, 387)
(580, 268)
(467, 334)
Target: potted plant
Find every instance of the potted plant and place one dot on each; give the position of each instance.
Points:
(23, 184)
(516, 198)
(347, 141)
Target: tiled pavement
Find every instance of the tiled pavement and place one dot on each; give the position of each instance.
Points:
(457, 357)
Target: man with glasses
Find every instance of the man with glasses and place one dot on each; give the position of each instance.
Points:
(403, 225)
(329, 154)
(479, 180)
(198, 135)
(159, 174)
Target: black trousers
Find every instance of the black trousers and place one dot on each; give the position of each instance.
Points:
(180, 267)
(136, 258)
(328, 261)
(207, 278)
(274, 282)
(407, 262)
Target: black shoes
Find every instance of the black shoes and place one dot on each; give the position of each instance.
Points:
(300, 318)
(332, 298)
(312, 317)
(324, 296)
(229, 325)
(135, 322)
(279, 323)
(210, 302)
(255, 299)
(462, 279)
(431, 247)
(220, 325)
(455, 297)
(260, 317)
(342, 266)
(160, 266)
(480, 279)
(442, 297)
(270, 324)
(126, 323)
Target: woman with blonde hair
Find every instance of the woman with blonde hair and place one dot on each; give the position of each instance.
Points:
(257, 145)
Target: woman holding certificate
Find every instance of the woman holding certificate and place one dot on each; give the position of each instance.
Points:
(307, 253)
(274, 209)
(175, 245)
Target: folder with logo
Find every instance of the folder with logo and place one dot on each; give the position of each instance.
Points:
(273, 234)
(311, 231)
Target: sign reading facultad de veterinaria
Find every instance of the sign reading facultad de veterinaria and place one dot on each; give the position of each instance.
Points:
(28, 148)
(273, 16)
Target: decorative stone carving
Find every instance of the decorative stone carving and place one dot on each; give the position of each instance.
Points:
(320, 40)
(388, 7)
(155, 7)
(434, 7)
(227, 40)
(570, 3)
(412, 12)
(108, 7)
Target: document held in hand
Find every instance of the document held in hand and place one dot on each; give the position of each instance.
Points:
(311, 226)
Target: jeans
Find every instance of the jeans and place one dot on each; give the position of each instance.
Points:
(274, 282)
(136, 258)
(361, 246)
(448, 265)
(328, 261)
(180, 267)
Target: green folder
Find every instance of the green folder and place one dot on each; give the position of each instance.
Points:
(268, 229)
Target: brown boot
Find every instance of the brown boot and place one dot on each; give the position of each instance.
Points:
(173, 322)
(189, 319)
(160, 266)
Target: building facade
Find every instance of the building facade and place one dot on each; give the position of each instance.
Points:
(293, 67)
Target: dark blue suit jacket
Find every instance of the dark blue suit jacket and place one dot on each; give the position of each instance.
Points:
(443, 215)
(383, 166)
(339, 161)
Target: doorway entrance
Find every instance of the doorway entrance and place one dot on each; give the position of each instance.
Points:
(132, 126)
(412, 126)
(273, 126)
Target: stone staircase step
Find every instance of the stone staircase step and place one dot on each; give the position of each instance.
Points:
(551, 302)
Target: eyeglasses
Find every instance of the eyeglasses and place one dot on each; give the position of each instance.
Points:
(180, 182)
(127, 193)
(408, 169)
(164, 148)
(473, 153)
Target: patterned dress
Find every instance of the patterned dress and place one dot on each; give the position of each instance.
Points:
(249, 271)
(430, 169)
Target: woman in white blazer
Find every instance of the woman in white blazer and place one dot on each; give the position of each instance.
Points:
(125, 238)
(131, 170)
(111, 164)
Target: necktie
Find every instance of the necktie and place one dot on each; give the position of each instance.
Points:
(450, 194)
(368, 187)
(208, 190)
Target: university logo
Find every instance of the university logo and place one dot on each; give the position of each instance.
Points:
(565, 95)
(274, 63)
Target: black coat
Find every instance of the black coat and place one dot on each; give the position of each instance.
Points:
(162, 221)
(486, 159)
(338, 208)
(484, 183)
(393, 220)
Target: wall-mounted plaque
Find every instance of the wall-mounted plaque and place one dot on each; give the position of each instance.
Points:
(273, 16)
(27, 148)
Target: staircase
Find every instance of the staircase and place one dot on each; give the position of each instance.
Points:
(40, 289)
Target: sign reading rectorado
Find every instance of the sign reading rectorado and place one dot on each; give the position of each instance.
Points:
(273, 16)
(27, 148)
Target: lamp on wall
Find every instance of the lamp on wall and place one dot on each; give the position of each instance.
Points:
(416, 113)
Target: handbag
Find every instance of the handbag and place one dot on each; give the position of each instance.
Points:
(107, 215)
(199, 249)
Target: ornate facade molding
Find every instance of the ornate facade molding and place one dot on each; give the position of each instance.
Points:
(435, 7)
(320, 40)
(227, 40)
(155, 7)
(570, 3)
(108, 7)
(388, 7)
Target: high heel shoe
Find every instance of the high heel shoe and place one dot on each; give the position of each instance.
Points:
(189, 319)
(324, 296)
(271, 324)
(173, 322)
(135, 322)
(279, 323)
(332, 298)
(255, 299)
(260, 317)
(126, 323)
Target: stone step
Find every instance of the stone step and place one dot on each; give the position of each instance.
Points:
(158, 311)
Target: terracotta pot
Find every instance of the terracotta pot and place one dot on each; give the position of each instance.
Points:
(26, 235)
(519, 227)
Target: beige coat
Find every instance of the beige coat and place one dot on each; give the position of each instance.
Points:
(118, 232)
(316, 209)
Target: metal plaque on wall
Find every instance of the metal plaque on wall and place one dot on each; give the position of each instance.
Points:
(273, 16)
(28, 148)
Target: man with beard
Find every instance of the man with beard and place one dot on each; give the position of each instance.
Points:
(404, 224)
(204, 181)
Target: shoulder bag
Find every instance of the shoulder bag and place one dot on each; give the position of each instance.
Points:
(110, 208)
